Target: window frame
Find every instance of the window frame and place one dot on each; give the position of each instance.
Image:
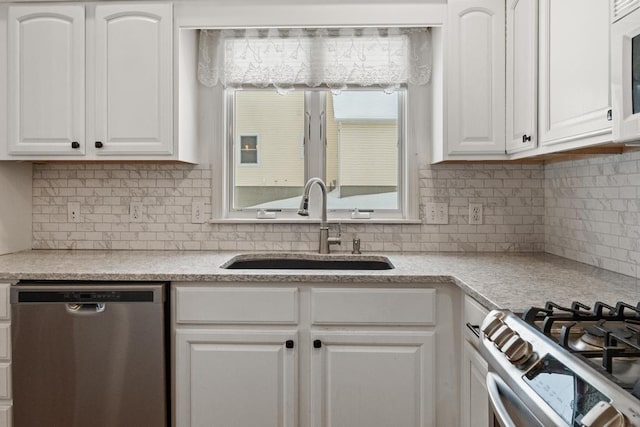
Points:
(223, 180)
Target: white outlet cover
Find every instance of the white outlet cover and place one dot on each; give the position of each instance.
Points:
(197, 212)
(475, 213)
(135, 212)
(73, 212)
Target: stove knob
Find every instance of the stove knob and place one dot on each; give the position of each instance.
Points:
(604, 415)
(517, 350)
(501, 336)
(490, 324)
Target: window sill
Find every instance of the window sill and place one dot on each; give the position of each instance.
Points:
(313, 221)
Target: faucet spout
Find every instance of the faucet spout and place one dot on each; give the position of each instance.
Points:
(325, 240)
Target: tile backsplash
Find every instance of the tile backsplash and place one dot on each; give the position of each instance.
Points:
(592, 211)
(512, 196)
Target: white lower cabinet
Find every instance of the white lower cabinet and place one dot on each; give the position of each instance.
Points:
(337, 364)
(475, 398)
(236, 378)
(372, 379)
(5, 356)
(5, 415)
(474, 395)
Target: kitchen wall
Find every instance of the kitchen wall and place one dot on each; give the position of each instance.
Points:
(592, 211)
(15, 207)
(512, 195)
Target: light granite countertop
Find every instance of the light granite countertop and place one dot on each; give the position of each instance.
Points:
(513, 281)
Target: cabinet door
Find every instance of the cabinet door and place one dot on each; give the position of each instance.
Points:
(373, 379)
(6, 419)
(46, 76)
(522, 74)
(575, 89)
(133, 77)
(475, 398)
(475, 77)
(235, 378)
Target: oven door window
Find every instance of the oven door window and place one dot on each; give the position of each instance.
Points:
(566, 393)
(635, 73)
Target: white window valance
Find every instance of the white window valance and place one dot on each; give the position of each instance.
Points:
(337, 58)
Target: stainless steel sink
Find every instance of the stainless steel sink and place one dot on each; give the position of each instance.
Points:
(308, 262)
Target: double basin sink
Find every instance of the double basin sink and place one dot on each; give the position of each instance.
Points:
(294, 261)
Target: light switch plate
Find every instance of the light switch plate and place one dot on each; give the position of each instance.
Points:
(437, 213)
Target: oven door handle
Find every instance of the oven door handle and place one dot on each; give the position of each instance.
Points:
(499, 410)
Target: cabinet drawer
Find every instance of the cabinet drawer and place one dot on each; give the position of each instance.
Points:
(5, 381)
(5, 341)
(373, 306)
(237, 305)
(474, 312)
(5, 311)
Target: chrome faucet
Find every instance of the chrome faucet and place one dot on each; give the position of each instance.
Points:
(325, 240)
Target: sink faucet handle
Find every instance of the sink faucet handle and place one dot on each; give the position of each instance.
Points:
(336, 240)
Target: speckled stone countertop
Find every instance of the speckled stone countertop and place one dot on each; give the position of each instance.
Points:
(513, 281)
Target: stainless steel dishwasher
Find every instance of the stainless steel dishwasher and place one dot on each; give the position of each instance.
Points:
(89, 354)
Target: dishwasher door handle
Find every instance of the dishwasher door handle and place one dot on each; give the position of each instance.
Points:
(85, 308)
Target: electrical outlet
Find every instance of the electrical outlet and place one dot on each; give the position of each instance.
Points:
(135, 212)
(437, 213)
(475, 213)
(197, 212)
(73, 212)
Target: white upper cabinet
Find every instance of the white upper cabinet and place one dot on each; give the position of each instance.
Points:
(91, 81)
(133, 79)
(46, 80)
(575, 89)
(522, 75)
(474, 78)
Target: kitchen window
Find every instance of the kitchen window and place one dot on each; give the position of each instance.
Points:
(351, 140)
(328, 103)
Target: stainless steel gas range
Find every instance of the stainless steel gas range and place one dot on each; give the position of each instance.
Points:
(564, 366)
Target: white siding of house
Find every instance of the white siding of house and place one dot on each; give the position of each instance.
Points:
(279, 123)
(368, 154)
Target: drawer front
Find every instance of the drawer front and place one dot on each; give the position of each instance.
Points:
(5, 341)
(237, 305)
(5, 381)
(474, 312)
(4, 301)
(373, 306)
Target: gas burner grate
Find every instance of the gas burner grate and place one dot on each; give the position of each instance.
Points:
(552, 312)
(610, 331)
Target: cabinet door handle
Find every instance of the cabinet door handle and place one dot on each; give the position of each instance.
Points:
(526, 138)
(609, 115)
(289, 344)
(99, 144)
(75, 145)
(317, 343)
(475, 329)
